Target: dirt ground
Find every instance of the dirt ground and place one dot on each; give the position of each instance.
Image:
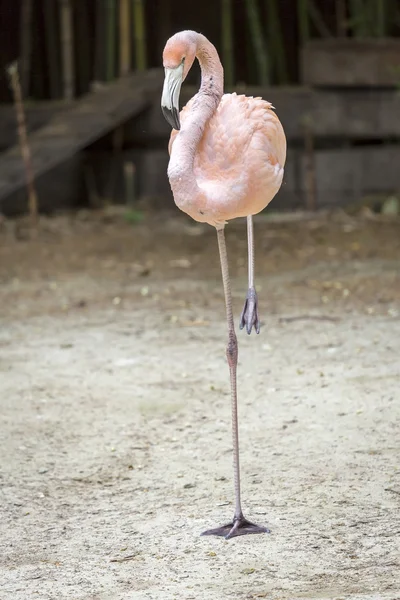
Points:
(115, 438)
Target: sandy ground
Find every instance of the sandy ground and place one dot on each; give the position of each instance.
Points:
(115, 421)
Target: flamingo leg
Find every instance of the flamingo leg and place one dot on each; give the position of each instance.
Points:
(249, 316)
(240, 525)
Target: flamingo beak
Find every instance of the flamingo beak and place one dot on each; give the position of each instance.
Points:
(170, 96)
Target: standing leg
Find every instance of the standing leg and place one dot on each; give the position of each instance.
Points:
(249, 316)
(239, 525)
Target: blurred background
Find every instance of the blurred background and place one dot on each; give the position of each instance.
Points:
(90, 77)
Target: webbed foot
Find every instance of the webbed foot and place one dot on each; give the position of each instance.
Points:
(239, 526)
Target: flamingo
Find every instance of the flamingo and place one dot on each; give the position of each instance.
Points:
(227, 156)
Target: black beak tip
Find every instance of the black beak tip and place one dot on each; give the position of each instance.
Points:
(172, 117)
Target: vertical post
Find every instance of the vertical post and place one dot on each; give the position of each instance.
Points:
(23, 141)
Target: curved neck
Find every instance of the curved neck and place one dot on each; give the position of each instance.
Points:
(204, 104)
(212, 73)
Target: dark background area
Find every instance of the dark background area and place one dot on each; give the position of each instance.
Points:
(330, 67)
(162, 19)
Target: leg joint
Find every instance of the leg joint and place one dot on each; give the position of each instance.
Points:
(232, 349)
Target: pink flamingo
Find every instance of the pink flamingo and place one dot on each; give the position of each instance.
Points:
(227, 155)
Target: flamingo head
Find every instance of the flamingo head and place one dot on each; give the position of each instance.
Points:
(178, 56)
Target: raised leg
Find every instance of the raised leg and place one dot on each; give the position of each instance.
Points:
(239, 525)
(249, 316)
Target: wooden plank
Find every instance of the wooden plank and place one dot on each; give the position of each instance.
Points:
(343, 175)
(36, 114)
(351, 62)
(368, 114)
(350, 114)
(77, 127)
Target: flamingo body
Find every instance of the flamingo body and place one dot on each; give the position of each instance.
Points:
(239, 162)
(227, 155)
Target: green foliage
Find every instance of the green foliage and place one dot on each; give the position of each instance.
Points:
(133, 216)
(369, 18)
(258, 40)
(139, 34)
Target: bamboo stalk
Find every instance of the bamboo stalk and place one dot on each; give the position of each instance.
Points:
(52, 49)
(227, 41)
(67, 44)
(99, 67)
(370, 23)
(124, 38)
(260, 50)
(275, 38)
(164, 23)
(303, 20)
(380, 10)
(318, 20)
(139, 34)
(38, 87)
(110, 17)
(83, 42)
(391, 16)
(23, 142)
(341, 21)
(357, 18)
(25, 44)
